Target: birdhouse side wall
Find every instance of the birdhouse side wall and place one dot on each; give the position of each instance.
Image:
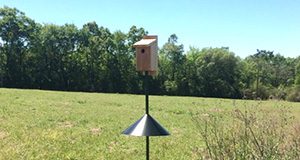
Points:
(154, 58)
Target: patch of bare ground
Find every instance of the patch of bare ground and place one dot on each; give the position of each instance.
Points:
(66, 124)
(95, 131)
(3, 134)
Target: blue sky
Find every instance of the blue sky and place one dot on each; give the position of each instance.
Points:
(243, 26)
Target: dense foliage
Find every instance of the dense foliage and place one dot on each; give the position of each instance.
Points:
(92, 58)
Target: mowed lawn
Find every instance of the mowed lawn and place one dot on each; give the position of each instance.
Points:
(38, 124)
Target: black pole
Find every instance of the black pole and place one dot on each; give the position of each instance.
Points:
(146, 92)
(147, 110)
(147, 148)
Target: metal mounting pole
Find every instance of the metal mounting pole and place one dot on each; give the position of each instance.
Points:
(146, 92)
(147, 110)
(147, 148)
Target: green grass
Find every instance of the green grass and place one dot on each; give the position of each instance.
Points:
(38, 124)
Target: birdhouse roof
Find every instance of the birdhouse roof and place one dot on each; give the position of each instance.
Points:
(144, 42)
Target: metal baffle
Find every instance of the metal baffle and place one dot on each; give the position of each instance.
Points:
(146, 125)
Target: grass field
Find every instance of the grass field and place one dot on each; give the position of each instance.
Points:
(38, 124)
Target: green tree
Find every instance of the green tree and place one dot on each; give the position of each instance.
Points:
(95, 43)
(16, 31)
(58, 43)
(297, 79)
(282, 71)
(119, 64)
(261, 72)
(172, 66)
(267, 73)
(193, 80)
(217, 72)
(2, 64)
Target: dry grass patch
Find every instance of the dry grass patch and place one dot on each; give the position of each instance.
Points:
(95, 131)
(3, 135)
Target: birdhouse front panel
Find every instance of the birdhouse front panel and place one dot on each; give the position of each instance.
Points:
(143, 59)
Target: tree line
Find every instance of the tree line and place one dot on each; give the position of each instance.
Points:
(92, 58)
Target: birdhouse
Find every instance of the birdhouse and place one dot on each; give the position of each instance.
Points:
(146, 54)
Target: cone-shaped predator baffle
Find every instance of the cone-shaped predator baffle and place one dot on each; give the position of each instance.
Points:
(146, 126)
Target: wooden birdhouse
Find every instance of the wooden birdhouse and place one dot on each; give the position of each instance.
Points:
(146, 55)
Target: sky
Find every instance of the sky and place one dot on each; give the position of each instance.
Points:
(243, 26)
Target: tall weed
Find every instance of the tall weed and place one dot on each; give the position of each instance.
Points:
(248, 134)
